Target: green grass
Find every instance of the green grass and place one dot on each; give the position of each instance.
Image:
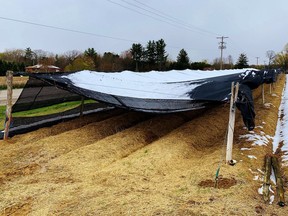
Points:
(2, 116)
(48, 110)
(42, 111)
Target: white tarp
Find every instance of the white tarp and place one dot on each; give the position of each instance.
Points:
(153, 85)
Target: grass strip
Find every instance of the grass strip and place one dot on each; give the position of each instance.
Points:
(57, 108)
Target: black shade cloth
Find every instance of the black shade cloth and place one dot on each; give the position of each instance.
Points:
(45, 89)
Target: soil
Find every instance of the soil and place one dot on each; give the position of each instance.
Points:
(221, 183)
(130, 163)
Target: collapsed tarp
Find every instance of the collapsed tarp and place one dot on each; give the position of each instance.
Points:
(165, 92)
(39, 94)
(153, 92)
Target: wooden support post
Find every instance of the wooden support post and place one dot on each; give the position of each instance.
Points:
(267, 175)
(231, 124)
(263, 94)
(271, 84)
(82, 106)
(9, 82)
(279, 181)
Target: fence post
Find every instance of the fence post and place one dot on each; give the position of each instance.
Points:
(82, 106)
(263, 94)
(279, 181)
(9, 82)
(231, 124)
(267, 174)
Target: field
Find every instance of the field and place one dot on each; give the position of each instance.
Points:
(129, 163)
(18, 82)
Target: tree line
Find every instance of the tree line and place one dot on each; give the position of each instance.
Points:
(14, 66)
(152, 56)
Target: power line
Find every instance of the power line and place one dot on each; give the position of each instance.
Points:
(75, 31)
(166, 15)
(66, 29)
(181, 22)
(174, 20)
(167, 18)
(131, 9)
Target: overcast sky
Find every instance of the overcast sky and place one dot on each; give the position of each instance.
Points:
(253, 26)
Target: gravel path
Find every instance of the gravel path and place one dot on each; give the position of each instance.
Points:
(3, 96)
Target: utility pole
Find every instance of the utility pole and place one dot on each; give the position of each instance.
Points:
(257, 60)
(221, 47)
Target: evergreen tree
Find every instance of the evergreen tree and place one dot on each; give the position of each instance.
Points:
(161, 56)
(200, 65)
(137, 52)
(182, 60)
(29, 56)
(22, 67)
(92, 54)
(150, 53)
(242, 61)
(2, 68)
(15, 67)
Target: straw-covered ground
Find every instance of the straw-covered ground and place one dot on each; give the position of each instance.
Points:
(18, 82)
(129, 163)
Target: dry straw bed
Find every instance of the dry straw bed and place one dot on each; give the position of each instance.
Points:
(129, 163)
(18, 82)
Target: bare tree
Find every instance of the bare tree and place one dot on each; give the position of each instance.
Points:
(286, 48)
(271, 56)
(13, 55)
(41, 56)
(72, 55)
(230, 61)
(216, 63)
(281, 60)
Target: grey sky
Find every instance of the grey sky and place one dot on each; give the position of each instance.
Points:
(253, 26)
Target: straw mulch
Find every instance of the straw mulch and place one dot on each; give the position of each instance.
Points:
(129, 163)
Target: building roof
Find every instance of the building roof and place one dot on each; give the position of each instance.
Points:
(39, 66)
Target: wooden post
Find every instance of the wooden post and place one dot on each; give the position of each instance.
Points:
(271, 88)
(82, 106)
(263, 95)
(267, 175)
(279, 181)
(9, 82)
(231, 124)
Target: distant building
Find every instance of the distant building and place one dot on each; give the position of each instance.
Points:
(42, 68)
